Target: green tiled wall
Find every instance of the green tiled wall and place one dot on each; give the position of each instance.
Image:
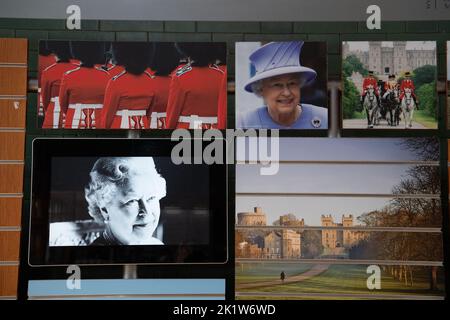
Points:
(331, 32)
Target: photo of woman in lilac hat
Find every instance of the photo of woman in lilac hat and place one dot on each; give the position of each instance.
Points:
(275, 91)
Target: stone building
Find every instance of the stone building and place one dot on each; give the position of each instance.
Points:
(272, 245)
(248, 250)
(395, 59)
(284, 244)
(332, 239)
(255, 218)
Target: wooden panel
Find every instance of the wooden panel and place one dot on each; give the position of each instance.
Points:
(8, 281)
(10, 212)
(13, 145)
(12, 113)
(13, 81)
(13, 50)
(9, 245)
(11, 178)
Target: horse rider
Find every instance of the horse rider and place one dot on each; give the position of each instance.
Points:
(390, 85)
(407, 83)
(370, 81)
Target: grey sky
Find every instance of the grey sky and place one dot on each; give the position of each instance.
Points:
(319, 178)
(420, 45)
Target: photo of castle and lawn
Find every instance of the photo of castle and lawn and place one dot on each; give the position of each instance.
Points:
(312, 230)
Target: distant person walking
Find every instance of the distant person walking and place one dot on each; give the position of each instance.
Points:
(282, 276)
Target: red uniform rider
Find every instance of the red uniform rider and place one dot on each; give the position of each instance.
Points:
(407, 83)
(369, 82)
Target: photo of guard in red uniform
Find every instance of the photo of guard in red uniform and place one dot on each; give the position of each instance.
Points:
(82, 90)
(130, 95)
(194, 90)
(51, 81)
(165, 60)
(132, 85)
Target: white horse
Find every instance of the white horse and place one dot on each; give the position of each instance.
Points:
(408, 107)
(370, 104)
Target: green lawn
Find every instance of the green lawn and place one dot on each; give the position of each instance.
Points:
(424, 119)
(359, 115)
(351, 279)
(265, 272)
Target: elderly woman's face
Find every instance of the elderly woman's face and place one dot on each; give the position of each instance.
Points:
(282, 93)
(134, 210)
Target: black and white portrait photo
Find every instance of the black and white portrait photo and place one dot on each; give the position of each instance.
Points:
(119, 201)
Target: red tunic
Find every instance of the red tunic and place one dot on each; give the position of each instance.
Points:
(193, 97)
(81, 96)
(75, 61)
(115, 70)
(158, 114)
(50, 81)
(370, 81)
(128, 101)
(407, 84)
(44, 63)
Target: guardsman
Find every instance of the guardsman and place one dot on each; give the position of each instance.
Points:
(130, 95)
(82, 89)
(194, 89)
(165, 60)
(51, 81)
(115, 70)
(407, 83)
(46, 59)
(370, 82)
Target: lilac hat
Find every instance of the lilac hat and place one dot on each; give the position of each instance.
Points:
(277, 58)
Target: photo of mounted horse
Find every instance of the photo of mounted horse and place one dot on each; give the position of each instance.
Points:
(389, 85)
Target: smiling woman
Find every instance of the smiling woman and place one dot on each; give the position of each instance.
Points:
(278, 79)
(124, 194)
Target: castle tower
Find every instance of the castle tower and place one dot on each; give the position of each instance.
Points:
(345, 49)
(329, 237)
(400, 57)
(290, 244)
(348, 235)
(375, 57)
(255, 218)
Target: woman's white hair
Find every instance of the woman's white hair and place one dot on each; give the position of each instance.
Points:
(109, 174)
